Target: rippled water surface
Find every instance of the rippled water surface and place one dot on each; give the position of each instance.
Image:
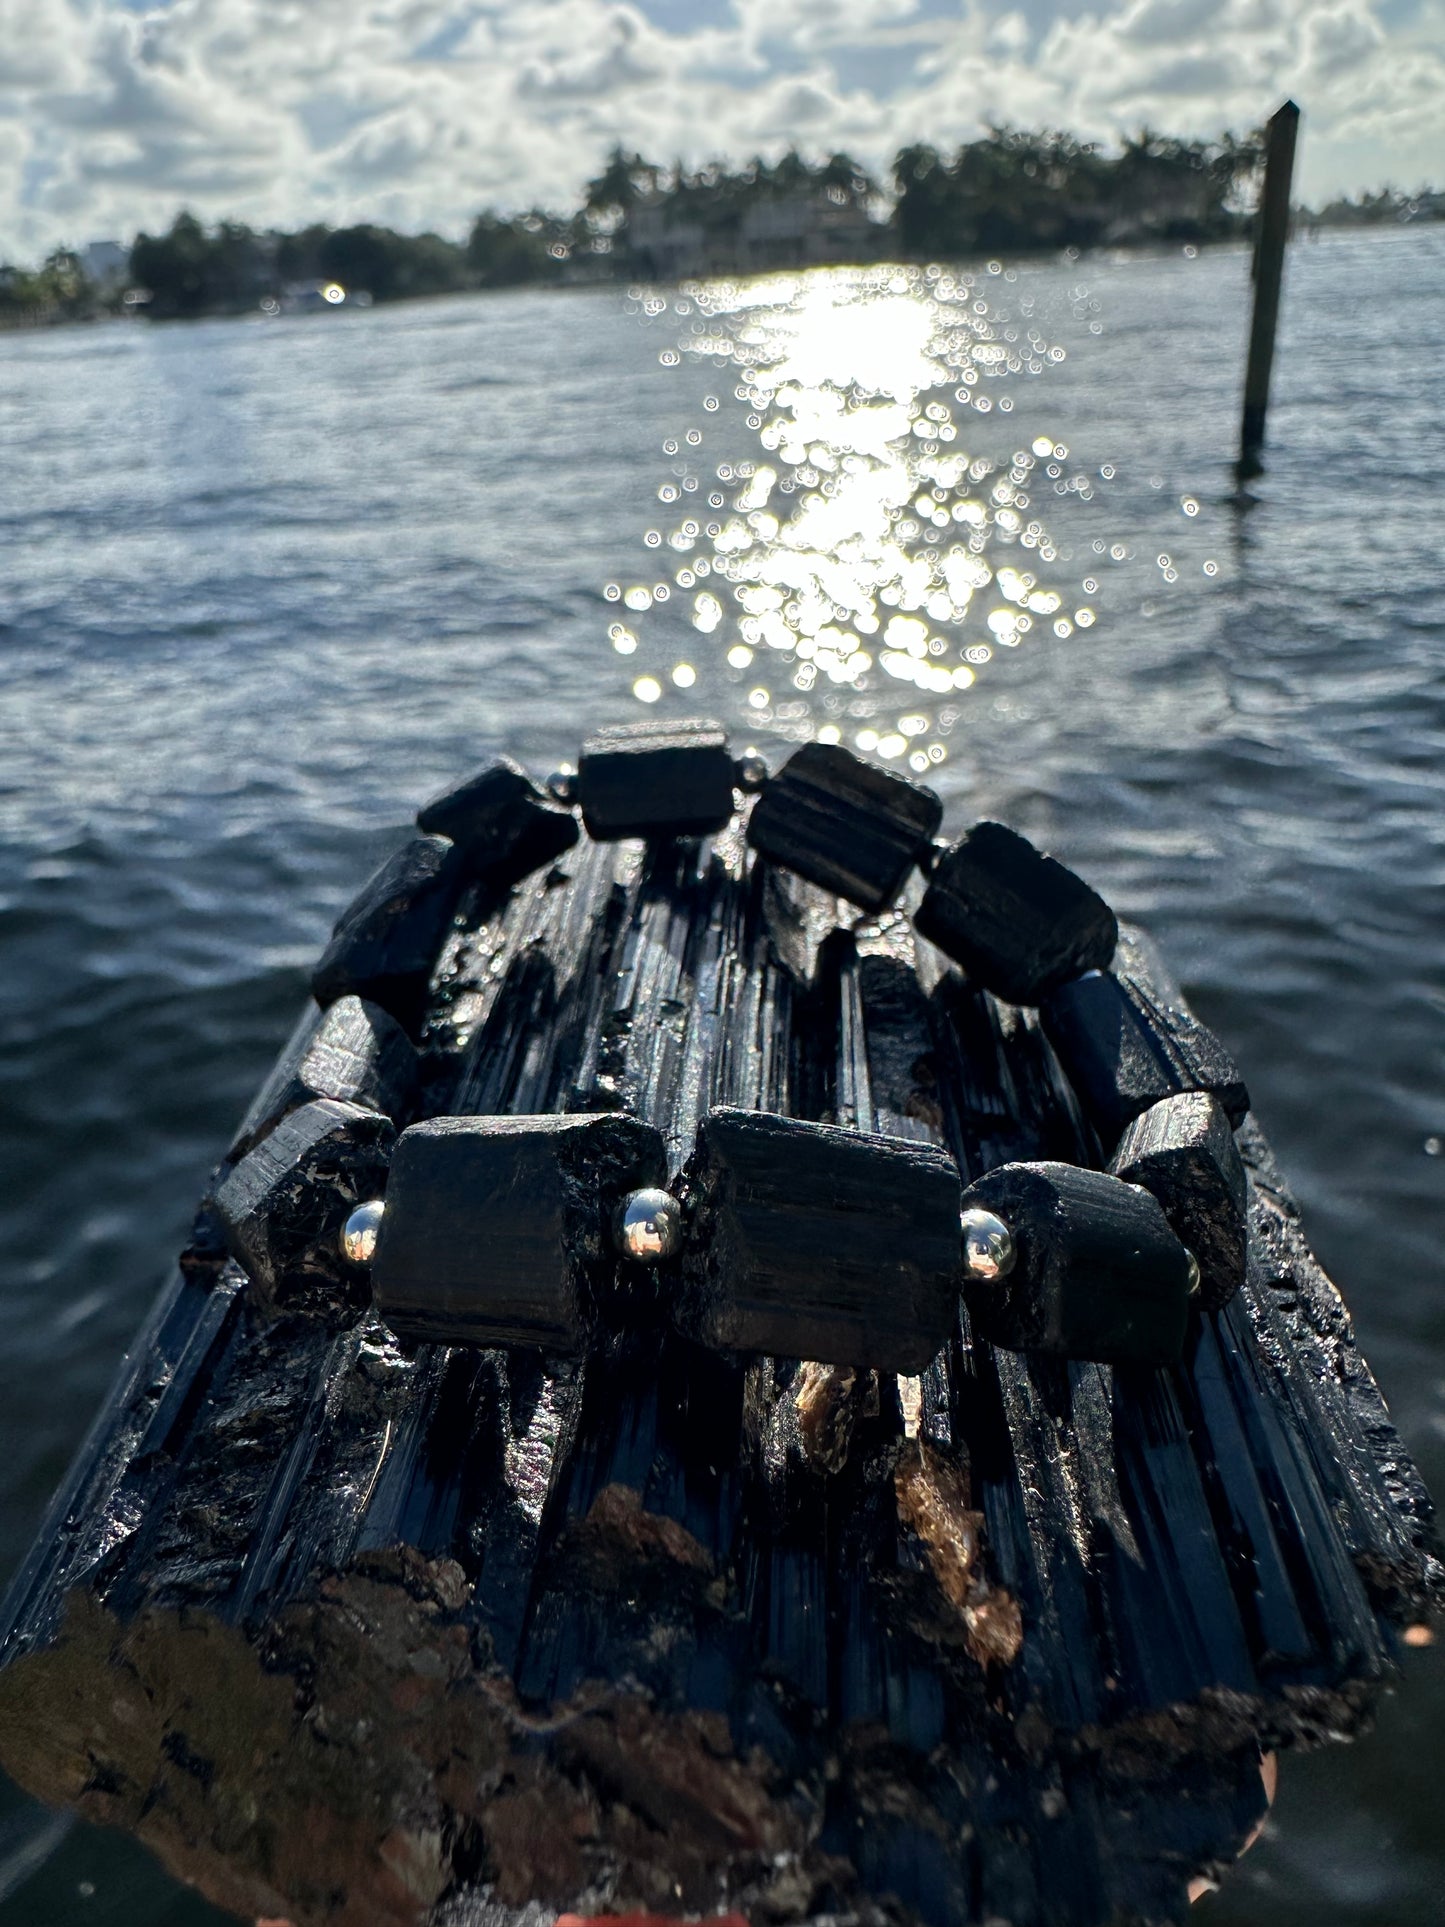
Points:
(263, 587)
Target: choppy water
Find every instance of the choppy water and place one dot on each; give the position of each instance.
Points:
(264, 587)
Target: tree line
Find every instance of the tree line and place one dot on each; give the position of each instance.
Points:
(1011, 190)
(58, 289)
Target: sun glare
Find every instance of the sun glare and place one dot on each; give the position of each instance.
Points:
(862, 545)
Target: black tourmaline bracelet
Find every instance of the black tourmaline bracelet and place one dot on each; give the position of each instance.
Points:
(779, 1236)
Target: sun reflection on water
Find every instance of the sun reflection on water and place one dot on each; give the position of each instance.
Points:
(865, 558)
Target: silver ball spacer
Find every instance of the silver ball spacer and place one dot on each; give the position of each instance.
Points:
(360, 1232)
(988, 1246)
(562, 785)
(751, 772)
(1193, 1272)
(647, 1227)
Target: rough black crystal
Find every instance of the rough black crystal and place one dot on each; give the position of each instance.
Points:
(353, 1052)
(1196, 1559)
(496, 1228)
(813, 1242)
(386, 942)
(1183, 1150)
(283, 1206)
(655, 779)
(847, 825)
(1123, 1050)
(1097, 1274)
(1018, 921)
(503, 825)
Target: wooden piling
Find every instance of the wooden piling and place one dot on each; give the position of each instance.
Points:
(1269, 246)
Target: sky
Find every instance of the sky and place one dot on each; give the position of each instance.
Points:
(115, 113)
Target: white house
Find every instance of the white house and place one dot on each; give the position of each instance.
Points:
(106, 263)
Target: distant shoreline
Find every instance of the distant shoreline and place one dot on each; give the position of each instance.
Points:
(1011, 194)
(1032, 257)
(1144, 248)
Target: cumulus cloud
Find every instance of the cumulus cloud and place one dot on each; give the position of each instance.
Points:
(593, 53)
(37, 50)
(1169, 22)
(1009, 34)
(1342, 37)
(113, 113)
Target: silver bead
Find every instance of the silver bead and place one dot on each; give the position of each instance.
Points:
(988, 1246)
(751, 771)
(359, 1233)
(1193, 1272)
(562, 784)
(648, 1227)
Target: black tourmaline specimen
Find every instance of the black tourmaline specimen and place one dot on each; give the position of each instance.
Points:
(386, 943)
(486, 1636)
(353, 1052)
(819, 1243)
(658, 779)
(504, 827)
(1018, 921)
(1098, 1272)
(497, 1228)
(844, 824)
(283, 1206)
(1123, 1051)
(1184, 1152)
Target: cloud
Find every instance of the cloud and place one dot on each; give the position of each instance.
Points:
(803, 108)
(806, 25)
(38, 48)
(589, 56)
(1168, 22)
(1201, 76)
(1341, 38)
(1009, 34)
(113, 113)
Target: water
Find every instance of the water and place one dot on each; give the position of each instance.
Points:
(265, 586)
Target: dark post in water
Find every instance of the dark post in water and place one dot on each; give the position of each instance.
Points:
(1268, 273)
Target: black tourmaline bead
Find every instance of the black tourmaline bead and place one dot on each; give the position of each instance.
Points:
(819, 1243)
(1122, 1051)
(503, 825)
(353, 1052)
(386, 943)
(844, 824)
(1097, 1274)
(658, 779)
(1018, 921)
(1184, 1152)
(283, 1206)
(497, 1228)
